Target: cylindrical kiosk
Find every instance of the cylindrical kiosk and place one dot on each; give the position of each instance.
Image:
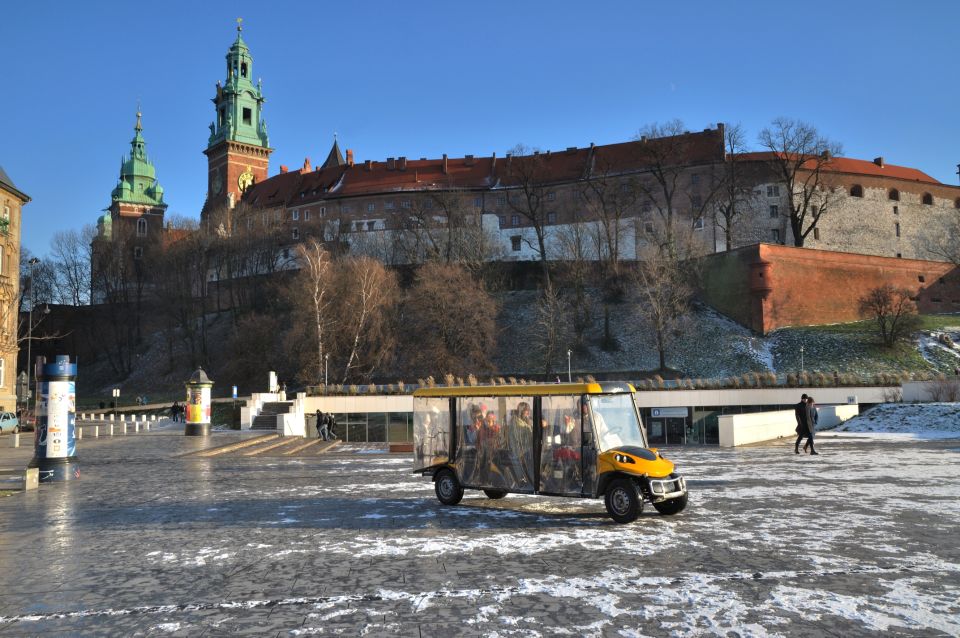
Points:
(55, 444)
(198, 404)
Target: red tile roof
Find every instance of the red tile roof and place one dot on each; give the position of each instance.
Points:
(859, 167)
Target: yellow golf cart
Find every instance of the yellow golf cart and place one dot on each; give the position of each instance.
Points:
(581, 440)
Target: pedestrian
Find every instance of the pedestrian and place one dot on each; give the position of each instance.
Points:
(319, 424)
(798, 411)
(173, 412)
(331, 423)
(812, 419)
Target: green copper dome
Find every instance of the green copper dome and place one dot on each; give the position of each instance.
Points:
(239, 102)
(138, 177)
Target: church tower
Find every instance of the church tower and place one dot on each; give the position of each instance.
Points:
(238, 150)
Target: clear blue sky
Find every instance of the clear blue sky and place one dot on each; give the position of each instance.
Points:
(426, 78)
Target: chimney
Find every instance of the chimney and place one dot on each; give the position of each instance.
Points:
(306, 165)
(444, 163)
(349, 157)
(468, 160)
(283, 169)
(493, 163)
(402, 163)
(825, 154)
(391, 164)
(368, 165)
(878, 161)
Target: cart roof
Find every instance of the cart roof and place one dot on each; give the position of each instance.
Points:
(532, 389)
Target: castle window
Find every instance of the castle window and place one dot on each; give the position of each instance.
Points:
(295, 214)
(898, 228)
(344, 208)
(323, 211)
(698, 223)
(551, 218)
(388, 205)
(899, 255)
(306, 215)
(921, 279)
(137, 252)
(477, 202)
(6, 211)
(428, 204)
(141, 228)
(856, 190)
(696, 201)
(405, 203)
(243, 69)
(896, 210)
(515, 243)
(773, 191)
(927, 199)
(894, 195)
(515, 220)
(816, 233)
(296, 233)
(501, 200)
(371, 207)
(774, 211)
(551, 197)
(776, 235)
(371, 225)
(247, 116)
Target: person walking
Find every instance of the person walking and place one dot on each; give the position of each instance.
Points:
(319, 424)
(812, 419)
(798, 411)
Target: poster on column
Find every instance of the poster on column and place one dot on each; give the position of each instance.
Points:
(60, 411)
(198, 405)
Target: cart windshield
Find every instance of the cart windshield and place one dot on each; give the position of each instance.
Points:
(616, 420)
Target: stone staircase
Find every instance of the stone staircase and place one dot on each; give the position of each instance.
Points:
(267, 419)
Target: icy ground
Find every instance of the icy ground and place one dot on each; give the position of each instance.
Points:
(859, 541)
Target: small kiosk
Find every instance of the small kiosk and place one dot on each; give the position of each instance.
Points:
(198, 404)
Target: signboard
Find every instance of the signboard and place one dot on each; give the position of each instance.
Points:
(659, 413)
(234, 392)
(56, 412)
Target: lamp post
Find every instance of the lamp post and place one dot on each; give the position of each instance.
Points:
(116, 399)
(33, 262)
(801, 359)
(326, 362)
(569, 376)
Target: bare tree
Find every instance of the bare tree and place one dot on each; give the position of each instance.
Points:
(529, 181)
(367, 293)
(448, 322)
(550, 334)
(892, 310)
(315, 279)
(736, 194)
(70, 252)
(610, 198)
(666, 280)
(800, 158)
(576, 246)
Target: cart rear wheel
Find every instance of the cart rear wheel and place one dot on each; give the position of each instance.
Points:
(673, 506)
(623, 501)
(448, 488)
(495, 494)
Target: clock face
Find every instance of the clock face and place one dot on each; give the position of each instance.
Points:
(245, 180)
(216, 184)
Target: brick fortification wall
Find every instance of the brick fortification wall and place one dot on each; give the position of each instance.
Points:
(766, 287)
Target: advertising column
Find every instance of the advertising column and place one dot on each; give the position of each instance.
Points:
(55, 443)
(198, 404)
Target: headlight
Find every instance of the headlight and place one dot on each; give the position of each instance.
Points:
(622, 458)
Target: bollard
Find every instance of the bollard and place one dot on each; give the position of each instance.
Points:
(110, 425)
(96, 431)
(31, 476)
(79, 432)
(55, 442)
(15, 440)
(198, 404)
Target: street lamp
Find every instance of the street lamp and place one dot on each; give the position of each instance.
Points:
(326, 361)
(33, 262)
(801, 359)
(569, 377)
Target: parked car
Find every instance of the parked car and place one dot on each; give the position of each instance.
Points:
(9, 422)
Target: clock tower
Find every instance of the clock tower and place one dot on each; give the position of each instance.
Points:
(238, 150)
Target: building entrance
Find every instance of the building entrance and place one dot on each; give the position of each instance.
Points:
(668, 426)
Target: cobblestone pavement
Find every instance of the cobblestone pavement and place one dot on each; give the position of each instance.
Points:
(861, 540)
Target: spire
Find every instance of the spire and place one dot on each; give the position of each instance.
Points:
(335, 158)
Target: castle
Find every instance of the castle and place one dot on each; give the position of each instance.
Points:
(526, 206)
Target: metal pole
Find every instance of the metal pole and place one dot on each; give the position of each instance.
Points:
(326, 361)
(801, 359)
(33, 262)
(569, 376)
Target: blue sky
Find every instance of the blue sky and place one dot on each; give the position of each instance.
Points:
(426, 78)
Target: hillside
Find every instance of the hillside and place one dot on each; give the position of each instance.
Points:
(708, 345)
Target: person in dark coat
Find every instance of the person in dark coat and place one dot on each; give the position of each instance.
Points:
(320, 418)
(812, 418)
(799, 410)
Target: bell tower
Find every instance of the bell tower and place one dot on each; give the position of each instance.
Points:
(238, 149)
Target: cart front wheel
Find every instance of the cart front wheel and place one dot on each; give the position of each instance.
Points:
(623, 501)
(448, 488)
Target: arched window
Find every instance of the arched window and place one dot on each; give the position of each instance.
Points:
(927, 199)
(894, 194)
(243, 69)
(856, 190)
(141, 228)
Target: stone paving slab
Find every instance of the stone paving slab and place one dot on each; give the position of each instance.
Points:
(859, 541)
